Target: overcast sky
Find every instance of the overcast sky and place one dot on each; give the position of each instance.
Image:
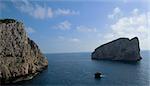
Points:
(80, 26)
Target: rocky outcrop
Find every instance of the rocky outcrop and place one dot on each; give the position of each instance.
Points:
(98, 75)
(120, 49)
(20, 57)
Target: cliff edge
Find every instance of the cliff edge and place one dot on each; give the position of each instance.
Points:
(20, 57)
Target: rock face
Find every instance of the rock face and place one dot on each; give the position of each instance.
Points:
(20, 57)
(121, 49)
(98, 75)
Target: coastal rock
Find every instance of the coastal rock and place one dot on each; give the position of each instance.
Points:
(98, 75)
(122, 49)
(20, 57)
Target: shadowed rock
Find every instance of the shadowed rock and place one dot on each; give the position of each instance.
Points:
(20, 57)
(98, 75)
(121, 49)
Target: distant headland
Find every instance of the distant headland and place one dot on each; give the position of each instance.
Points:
(122, 49)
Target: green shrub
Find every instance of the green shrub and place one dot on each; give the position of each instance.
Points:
(7, 21)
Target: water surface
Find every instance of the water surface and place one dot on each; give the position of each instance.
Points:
(78, 69)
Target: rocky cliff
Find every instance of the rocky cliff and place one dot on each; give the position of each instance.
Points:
(120, 49)
(20, 57)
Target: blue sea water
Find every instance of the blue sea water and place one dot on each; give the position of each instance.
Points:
(77, 69)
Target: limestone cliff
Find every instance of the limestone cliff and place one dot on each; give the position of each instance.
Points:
(120, 49)
(20, 57)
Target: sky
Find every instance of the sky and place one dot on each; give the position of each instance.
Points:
(80, 25)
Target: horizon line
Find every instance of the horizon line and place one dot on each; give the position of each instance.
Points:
(77, 52)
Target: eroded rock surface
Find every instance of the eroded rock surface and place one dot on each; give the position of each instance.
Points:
(20, 57)
(122, 49)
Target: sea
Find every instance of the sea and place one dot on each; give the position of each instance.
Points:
(78, 69)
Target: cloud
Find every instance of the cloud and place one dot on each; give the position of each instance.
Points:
(66, 39)
(41, 12)
(34, 10)
(82, 28)
(131, 26)
(61, 37)
(24, 6)
(65, 25)
(50, 12)
(135, 11)
(116, 12)
(74, 40)
(30, 30)
(66, 12)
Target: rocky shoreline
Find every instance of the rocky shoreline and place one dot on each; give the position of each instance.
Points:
(21, 78)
